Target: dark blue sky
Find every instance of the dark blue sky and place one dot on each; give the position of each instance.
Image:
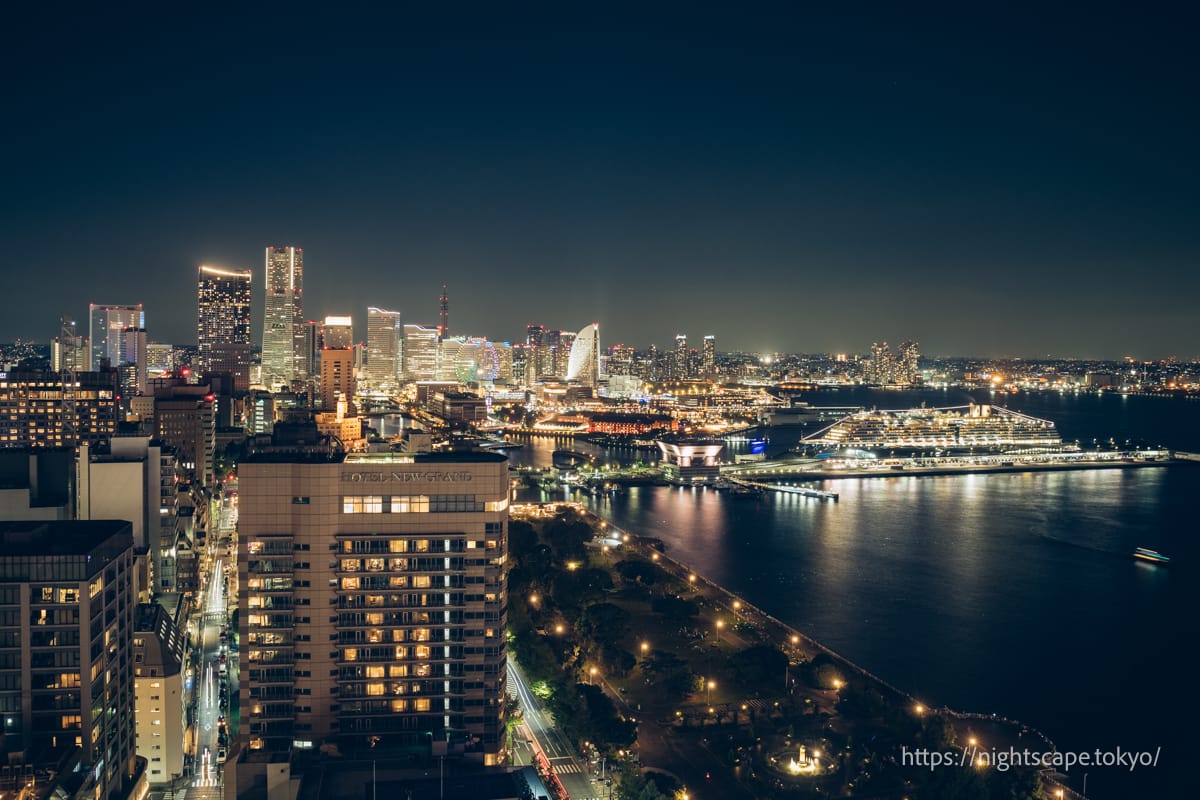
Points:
(988, 180)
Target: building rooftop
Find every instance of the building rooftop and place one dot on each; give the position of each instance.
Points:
(61, 537)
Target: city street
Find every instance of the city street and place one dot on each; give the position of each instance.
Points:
(571, 770)
(208, 706)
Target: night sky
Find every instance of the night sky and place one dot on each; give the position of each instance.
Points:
(986, 178)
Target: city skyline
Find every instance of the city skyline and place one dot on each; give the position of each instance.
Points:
(985, 183)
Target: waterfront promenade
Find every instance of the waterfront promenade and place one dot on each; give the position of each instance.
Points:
(987, 731)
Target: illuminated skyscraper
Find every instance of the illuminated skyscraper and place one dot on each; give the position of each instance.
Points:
(584, 363)
(223, 311)
(679, 369)
(283, 318)
(709, 356)
(420, 353)
(383, 348)
(106, 324)
(338, 332)
(908, 359)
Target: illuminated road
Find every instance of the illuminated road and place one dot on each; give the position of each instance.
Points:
(570, 768)
(207, 779)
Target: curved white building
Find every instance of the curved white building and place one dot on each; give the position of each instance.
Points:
(584, 363)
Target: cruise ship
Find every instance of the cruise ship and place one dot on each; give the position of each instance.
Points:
(977, 427)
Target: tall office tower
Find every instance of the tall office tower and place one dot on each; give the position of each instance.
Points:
(337, 378)
(548, 358)
(444, 314)
(38, 410)
(223, 311)
(337, 332)
(310, 362)
(234, 360)
(158, 656)
(377, 614)
(384, 358)
(652, 369)
(504, 362)
(708, 359)
(283, 317)
(185, 418)
(534, 338)
(68, 586)
(420, 353)
(522, 363)
(106, 324)
(133, 352)
(679, 358)
(620, 360)
(562, 354)
(908, 366)
(584, 364)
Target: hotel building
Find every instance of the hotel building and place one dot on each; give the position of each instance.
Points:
(373, 603)
(222, 312)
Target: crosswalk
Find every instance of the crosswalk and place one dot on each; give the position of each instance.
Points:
(565, 766)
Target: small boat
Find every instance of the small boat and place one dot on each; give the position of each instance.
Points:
(1153, 556)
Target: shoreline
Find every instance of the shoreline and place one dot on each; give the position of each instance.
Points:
(781, 634)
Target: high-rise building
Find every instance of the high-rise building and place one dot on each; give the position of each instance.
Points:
(311, 358)
(584, 364)
(68, 589)
(133, 353)
(338, 332)
(384, 355)
(709, 357)
(337, 378)
(283, 317)
(377, 616)
(75, 349)
(679, 369)
(420, 353)
(132, 478)
(534, 339)
(223, 311)
(444, 314)
(908, 362)
(38, 410)
(160, 358)
(106, 324)
(185, 418)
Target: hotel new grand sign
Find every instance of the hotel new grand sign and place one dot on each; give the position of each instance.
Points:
(409, 477)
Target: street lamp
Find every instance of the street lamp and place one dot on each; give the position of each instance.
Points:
(710, 685)
(720, 624)
(592, 672)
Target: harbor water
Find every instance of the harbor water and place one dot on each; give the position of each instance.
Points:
(1013, 593)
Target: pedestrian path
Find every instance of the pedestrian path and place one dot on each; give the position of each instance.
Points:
(565, 765)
